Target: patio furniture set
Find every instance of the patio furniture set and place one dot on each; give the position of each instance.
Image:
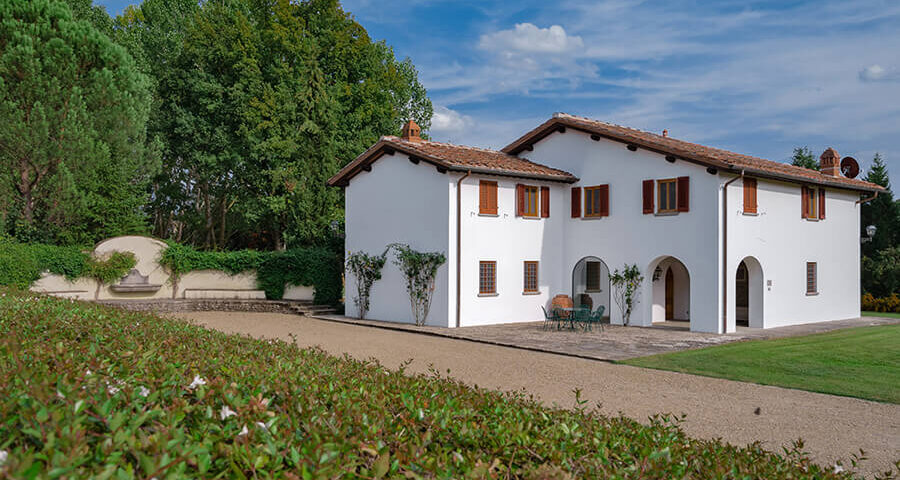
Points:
(565, 314)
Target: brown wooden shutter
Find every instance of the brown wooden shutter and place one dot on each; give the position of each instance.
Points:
(804, 202)
(684, 194)
(648, 195)
(822, 204)
(576, 202)
(520, 200)
(603, 191)
(545, 202)
(750, 195)
(487, 197)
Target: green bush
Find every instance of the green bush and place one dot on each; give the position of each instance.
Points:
(889, 304)
(21, 264)
(318, 267)
(87, 391)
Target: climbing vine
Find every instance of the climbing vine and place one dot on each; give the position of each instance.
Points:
(419, 269)
(109, 268)
(366, 269)
(626, 284)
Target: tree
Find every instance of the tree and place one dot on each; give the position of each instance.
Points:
(73, 108)
(626, 284)
(803, 157)
(882, 211)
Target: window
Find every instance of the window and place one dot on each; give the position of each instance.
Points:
(530, 199)
(487, 198)
(596, 201)
(666, 198)
(592, 272)
(812, 287)
(487, 278)
(750, 195)
(531, 277)
(813, 203)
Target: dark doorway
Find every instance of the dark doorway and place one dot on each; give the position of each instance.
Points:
(670, 295)
(742, 296)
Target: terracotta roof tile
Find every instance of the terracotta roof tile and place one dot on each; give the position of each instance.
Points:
(453, 157)
(710, 156)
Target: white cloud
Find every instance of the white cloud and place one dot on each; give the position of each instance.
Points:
(877, 73)
(447, 122)
(528, 39)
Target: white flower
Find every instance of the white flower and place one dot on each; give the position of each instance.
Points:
(87, 372)
(59, 394)
(143, 391)
(244, 431)
(226, 412)
(838, 468)
(262, 426)
(3, 456)
(197, 382)
(112, 389)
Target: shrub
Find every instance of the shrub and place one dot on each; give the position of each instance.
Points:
(314, 266)
(366, 269)
(87, 391)
(889, 304)
(21, 264)
(419, 269)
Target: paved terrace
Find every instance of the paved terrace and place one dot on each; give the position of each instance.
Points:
(615, 343)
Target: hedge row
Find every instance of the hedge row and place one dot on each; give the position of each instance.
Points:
(21, 264)
(318, 267)
(93, 392)
(889, 304)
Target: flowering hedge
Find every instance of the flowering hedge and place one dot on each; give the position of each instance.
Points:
(889, 304)
(90, 391)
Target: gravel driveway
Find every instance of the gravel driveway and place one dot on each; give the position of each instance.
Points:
(832, 427)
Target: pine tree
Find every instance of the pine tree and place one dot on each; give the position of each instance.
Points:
(882, 212)
(803, 157)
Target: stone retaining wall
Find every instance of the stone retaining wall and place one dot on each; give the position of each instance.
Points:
(203, 305)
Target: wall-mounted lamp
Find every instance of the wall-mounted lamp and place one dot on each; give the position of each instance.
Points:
(657, 273)
(870, 234)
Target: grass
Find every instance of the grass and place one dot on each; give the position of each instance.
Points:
(859, 362)
(93, 392)
(881, 314)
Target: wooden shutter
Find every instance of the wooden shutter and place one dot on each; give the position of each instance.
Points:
(683, 191)
(603, 191)
(520, 200)
(804, 202)
(545, 202)
(487, 198)
(822, 204)
(576, 202)
(648, 196)
(750, 195)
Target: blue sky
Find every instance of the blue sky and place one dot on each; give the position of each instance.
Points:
(755, 77)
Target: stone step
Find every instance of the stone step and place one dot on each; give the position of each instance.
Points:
(313, 309)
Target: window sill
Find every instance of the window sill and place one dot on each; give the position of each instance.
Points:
(665, 214)
(593, 291)
(531, 293)
(529, 217)
(488, 214)
(749, 214)
(488, 294)
(812, 294)
(594, 217)
(808, 219)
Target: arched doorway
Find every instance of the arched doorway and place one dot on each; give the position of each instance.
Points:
(748, 294)
(590, 284)
(671, 291)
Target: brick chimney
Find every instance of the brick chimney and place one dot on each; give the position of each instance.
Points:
(665, 133)
(410, 132)
(830, 163)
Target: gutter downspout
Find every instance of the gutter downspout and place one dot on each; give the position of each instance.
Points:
(725, 252)
(864, 200)
(459, 240)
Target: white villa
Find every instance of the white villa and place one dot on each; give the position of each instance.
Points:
(722, 239)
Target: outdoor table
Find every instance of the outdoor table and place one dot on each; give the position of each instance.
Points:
(570, 317)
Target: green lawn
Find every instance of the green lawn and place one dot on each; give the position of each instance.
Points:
(881, 314)
(859, 362)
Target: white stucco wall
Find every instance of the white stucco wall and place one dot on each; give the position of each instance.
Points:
(400, 202)
(783, 242)
(510, 241)
(628, 236)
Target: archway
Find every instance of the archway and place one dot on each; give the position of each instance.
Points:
(748, 294)
(670, 291)
(590, 284)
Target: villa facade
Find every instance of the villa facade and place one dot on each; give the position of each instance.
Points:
(722, 239)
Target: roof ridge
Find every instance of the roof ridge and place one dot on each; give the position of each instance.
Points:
(454, 145)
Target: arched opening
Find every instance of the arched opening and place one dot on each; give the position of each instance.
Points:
(748, 294)
(671, 291)
(590, 284)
